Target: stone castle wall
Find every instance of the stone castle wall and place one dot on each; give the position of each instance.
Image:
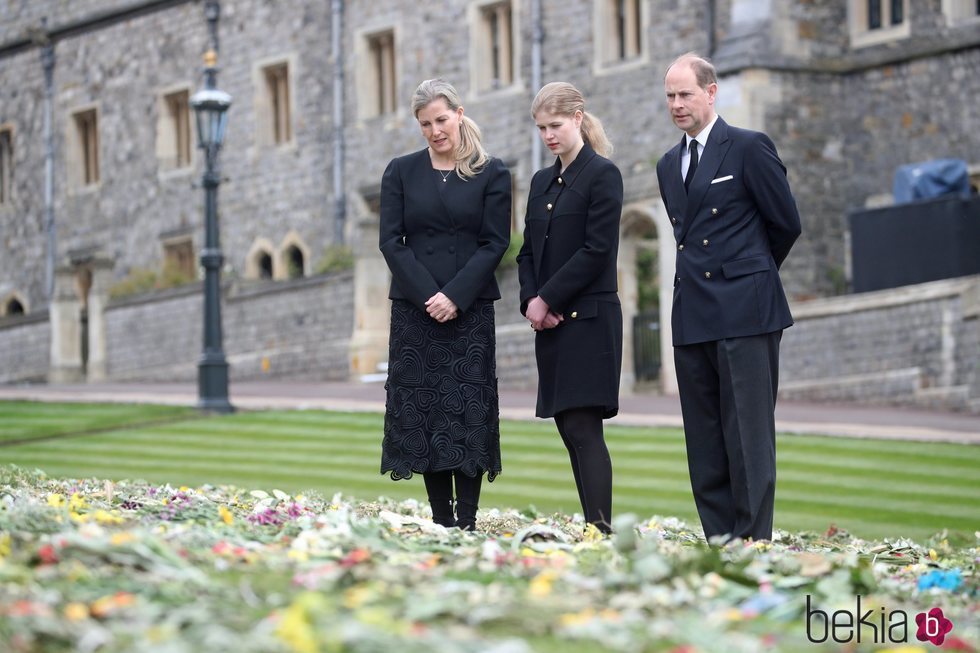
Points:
(296, 329)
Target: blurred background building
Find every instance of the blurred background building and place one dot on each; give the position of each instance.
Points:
(101, 220)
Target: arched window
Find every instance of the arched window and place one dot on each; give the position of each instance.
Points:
(294, 262)
(260, 262)
(265, 265)
(292, 256)
(14, 307)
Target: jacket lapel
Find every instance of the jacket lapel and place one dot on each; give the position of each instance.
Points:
(673, 183)
(714, 154)
(539, 239)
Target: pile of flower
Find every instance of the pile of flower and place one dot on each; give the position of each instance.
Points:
(99, 566)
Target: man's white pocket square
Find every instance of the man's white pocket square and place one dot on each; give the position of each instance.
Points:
(720, 179)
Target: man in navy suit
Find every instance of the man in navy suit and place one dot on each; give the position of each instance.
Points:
(734, 220)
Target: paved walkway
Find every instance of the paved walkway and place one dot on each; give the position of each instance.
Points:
(637, 410)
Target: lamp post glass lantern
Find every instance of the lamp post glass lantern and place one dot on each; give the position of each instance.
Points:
(211, 109)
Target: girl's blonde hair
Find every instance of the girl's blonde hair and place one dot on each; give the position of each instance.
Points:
(563, 99)
(470, 155)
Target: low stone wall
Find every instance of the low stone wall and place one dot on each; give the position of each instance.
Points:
(516, 369)
(915, 345)
(298, 329)
(25, 348)
(155, 336)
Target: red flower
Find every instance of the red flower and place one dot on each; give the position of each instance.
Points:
(354, 557)
(47, 554)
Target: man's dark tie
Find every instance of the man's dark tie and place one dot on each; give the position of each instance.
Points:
(693, 166)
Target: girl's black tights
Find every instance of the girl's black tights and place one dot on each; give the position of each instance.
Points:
(581, 431)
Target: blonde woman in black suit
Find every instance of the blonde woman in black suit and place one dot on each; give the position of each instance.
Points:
(567, 270)
(445, 224)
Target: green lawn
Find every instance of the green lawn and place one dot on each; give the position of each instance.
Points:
(23, 420)
(872, 488)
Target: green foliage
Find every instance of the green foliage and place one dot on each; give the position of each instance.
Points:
(142, 566)
(336, 258)
(647, 282)
(140, 280)
(293, 269)
(838, 280)
(509, 261)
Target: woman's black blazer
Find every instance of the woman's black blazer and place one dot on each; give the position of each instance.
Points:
(571, 233)
(449, 239)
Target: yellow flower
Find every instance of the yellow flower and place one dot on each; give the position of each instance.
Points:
(299, 556)
(356, 596)
(933, 555)
(76, 611)
(542, 584)
(56, 500)
(103, 517)
(906, 649)
(79, 518)
(77, 502)
(296, 628)
(592, 534)
(118, 539)
(226, 515)
(570, 619)
(4, 545)
(185, 489)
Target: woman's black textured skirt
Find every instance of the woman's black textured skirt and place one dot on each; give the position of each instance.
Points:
(441, 410)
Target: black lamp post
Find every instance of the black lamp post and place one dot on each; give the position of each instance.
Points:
(211, 107)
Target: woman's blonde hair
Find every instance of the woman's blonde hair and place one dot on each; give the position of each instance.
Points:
(563, 99)
(470, 155)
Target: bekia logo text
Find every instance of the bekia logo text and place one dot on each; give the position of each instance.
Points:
(879, 626)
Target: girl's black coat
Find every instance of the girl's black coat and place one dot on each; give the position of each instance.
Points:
(571, 239)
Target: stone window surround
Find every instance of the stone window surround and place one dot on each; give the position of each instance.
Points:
(281, 259)
(261, 247)
(13, 296)
(606, 43)
(961, 12)
(861, 36)
(265, 102)
(279, 256)
(6, 164)
(371, 73)
(174, 248)
(166, 134)
(75, 156)
(479, 17)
